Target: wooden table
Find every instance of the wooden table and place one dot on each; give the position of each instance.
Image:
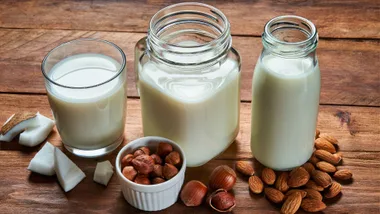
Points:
(349, 56)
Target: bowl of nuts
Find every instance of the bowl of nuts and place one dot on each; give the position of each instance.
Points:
(151, 172)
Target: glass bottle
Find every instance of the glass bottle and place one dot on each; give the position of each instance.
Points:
(285, 94)
(189, 80)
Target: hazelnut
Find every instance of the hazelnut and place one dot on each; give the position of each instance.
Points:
(142, 179)
(157, 171)
(157, 159)
(143, 164)
(173, 158)
(222, 201)
(223, 177)
(169, 171)
(129, 172)
(164, 149)
(158, 180)
(142, 151)
(126, 160)
(193, 193)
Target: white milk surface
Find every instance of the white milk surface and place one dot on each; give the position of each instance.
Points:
(197, 109)
(89, 118)
(284, 111)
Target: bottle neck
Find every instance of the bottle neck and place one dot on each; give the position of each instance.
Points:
(188, 35)
(290, 37)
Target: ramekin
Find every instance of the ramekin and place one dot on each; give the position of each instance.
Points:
(150, 197)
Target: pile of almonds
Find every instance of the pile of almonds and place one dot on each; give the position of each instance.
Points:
(306, 186)
(145, 168)
(222, 179)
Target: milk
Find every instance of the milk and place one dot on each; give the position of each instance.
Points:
(197, 109)
(284, 111)
(89, 118)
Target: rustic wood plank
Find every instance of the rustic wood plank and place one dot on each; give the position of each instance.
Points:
(358, 128)
(22, 191)
(334, 19)
(350, 74)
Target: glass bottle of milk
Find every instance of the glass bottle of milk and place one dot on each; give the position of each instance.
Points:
(189, 80)
(285, 94)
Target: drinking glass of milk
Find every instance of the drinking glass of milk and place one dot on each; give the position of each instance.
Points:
(285, 94)
(189, 80)
(85, 80)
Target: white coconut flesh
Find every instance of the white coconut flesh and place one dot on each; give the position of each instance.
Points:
(43, 161)
(16, 124)
(68, 174)
(103, 172)
(36, 135)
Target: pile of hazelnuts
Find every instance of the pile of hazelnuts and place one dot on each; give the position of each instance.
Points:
(142, 167)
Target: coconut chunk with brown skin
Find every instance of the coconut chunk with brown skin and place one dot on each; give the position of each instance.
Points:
(16, 124)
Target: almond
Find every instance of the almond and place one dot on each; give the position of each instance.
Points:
(298, 177)
(309, 167)
(313, 159)
(268, 176)
(321, 178)
(244, 168)
(303, 193)
(327, 156)
(255, 184)
(312, 205)
(313, 194)
(326, 167)
(312, 185)
(317, 133)
(274, 195)
(343, 174)
(282, 182)
(334, 190)
(292, 203)
(322, 143)
(330, 138)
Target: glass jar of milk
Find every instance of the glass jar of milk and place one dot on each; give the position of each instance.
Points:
(85, 80)
(189, 80)
(285, 99)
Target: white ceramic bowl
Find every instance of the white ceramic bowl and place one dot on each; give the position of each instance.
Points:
(150, 197)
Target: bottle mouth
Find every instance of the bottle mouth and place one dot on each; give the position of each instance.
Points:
(290, 36)
(184, 33)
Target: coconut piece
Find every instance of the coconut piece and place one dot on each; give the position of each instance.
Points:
(68, 174)
(103, 172)
(36, 135)
(17, 123)
(43, 161)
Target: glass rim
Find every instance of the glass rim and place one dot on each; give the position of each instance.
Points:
(121, 69)
(310, 24)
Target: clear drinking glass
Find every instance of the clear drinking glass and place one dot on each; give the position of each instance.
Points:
(189, 80)
(285, 94)
(85, 80)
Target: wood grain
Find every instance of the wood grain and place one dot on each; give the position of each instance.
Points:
(349, 69)
(21, 190)
(334, 19)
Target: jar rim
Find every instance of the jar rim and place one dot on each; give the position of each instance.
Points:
(214, 10)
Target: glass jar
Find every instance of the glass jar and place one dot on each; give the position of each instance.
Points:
(189, 80)
(285, 94)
